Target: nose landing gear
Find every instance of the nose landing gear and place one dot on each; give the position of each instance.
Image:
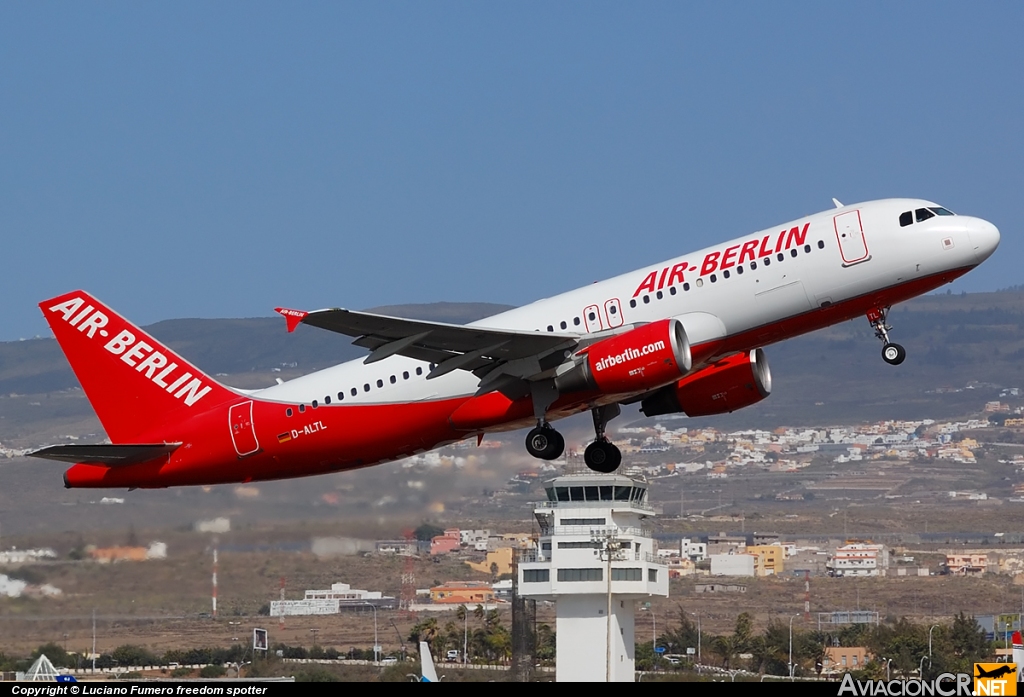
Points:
(601, 455)
(893, 354)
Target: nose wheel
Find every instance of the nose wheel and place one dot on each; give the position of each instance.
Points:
(545, 443)
(601, 455)
(893, 354)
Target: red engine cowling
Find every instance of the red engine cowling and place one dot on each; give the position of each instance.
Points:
(641, 359)
(727, 385)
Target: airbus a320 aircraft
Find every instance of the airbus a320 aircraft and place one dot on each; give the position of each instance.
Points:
(684, 336)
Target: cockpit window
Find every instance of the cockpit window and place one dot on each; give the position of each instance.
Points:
(923, 214)
(939, 210)
(906, 218)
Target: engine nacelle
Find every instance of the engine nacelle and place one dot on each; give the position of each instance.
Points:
(641, 359)
(727, 385)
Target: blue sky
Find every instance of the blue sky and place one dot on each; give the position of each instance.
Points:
(220, 159)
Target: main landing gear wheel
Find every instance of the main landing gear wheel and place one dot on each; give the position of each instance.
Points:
(545, 443)
(893, 354)
(602, 456)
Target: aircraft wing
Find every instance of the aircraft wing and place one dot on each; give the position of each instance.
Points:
(486, 352)
(109, 455)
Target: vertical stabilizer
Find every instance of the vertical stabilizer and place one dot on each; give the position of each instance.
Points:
(135, 384)
(427, 664)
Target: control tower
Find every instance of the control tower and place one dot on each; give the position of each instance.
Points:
(594, 559)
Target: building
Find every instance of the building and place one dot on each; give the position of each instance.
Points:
(340, 596)
(733, 564)
(693, 550)
(595, 554)
(111, 555)
(450, 541)
(462, 593)
(497, 563)
(769, 559)
(839, 659)
(475, 539)
(407, 547)
(858, 559)
(965, 564)
(726, 544)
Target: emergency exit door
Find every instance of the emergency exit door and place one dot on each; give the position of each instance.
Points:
(242, 433)
(853, 246)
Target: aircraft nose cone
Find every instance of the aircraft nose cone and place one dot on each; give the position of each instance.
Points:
(984, 238)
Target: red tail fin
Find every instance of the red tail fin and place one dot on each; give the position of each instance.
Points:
(135, 384)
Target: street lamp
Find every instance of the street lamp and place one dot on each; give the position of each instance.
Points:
(698, 640)
(314, 633)
(376, 644)
(791, 645)
(607, 548)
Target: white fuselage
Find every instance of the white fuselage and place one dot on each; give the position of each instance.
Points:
(788, 271)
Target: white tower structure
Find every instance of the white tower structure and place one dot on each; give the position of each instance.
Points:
(594, 559)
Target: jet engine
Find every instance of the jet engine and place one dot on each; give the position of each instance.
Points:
(732, 383)
(635, 361)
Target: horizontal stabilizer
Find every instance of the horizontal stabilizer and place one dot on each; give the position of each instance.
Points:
(109, 455)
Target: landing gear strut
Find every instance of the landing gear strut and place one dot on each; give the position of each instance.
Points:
(601, 455)
(893, 354)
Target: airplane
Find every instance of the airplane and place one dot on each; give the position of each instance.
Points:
(683, 336)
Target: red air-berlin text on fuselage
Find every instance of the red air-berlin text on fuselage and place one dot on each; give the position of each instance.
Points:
(750, 250)
(630, 354)
(138, 354)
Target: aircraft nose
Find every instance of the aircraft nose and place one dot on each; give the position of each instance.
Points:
(984, 238)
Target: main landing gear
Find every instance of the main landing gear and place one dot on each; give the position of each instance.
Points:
(601, 455)
(893, 354)
(545, 442)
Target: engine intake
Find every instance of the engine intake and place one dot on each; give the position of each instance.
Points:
(732, 383)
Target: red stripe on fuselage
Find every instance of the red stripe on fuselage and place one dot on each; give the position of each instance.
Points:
(336, 438)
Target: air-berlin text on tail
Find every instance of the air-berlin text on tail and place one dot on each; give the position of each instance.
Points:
(751, 250)
(163, 372)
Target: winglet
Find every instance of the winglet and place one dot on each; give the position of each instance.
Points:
(836, 201)
(291, 317)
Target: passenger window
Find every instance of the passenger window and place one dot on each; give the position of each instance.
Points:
(315, 404)
(807, 249)
(700, 282)
(821, 244)
(686, 286)
(922, 214)
(591, 316)
(767, 261)
(366, 387)
(781, 256)
(632, 303)
(647, 299)
(550, 328)
(380, 383)
(793, 252)
(614, 310)
(725, 274)
(660, 295)
(327, 399)
(341, 396)
(354, 392)
(906, 219)
(739, 269)
(576, 320)
(671, 290)
(302, 408)
(405, 374)
(753, 265)
(419, 371)
(288, 411)
(393, 379)
(562, 324)
(714, 278)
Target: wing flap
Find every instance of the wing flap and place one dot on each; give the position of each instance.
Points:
(109, 455)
